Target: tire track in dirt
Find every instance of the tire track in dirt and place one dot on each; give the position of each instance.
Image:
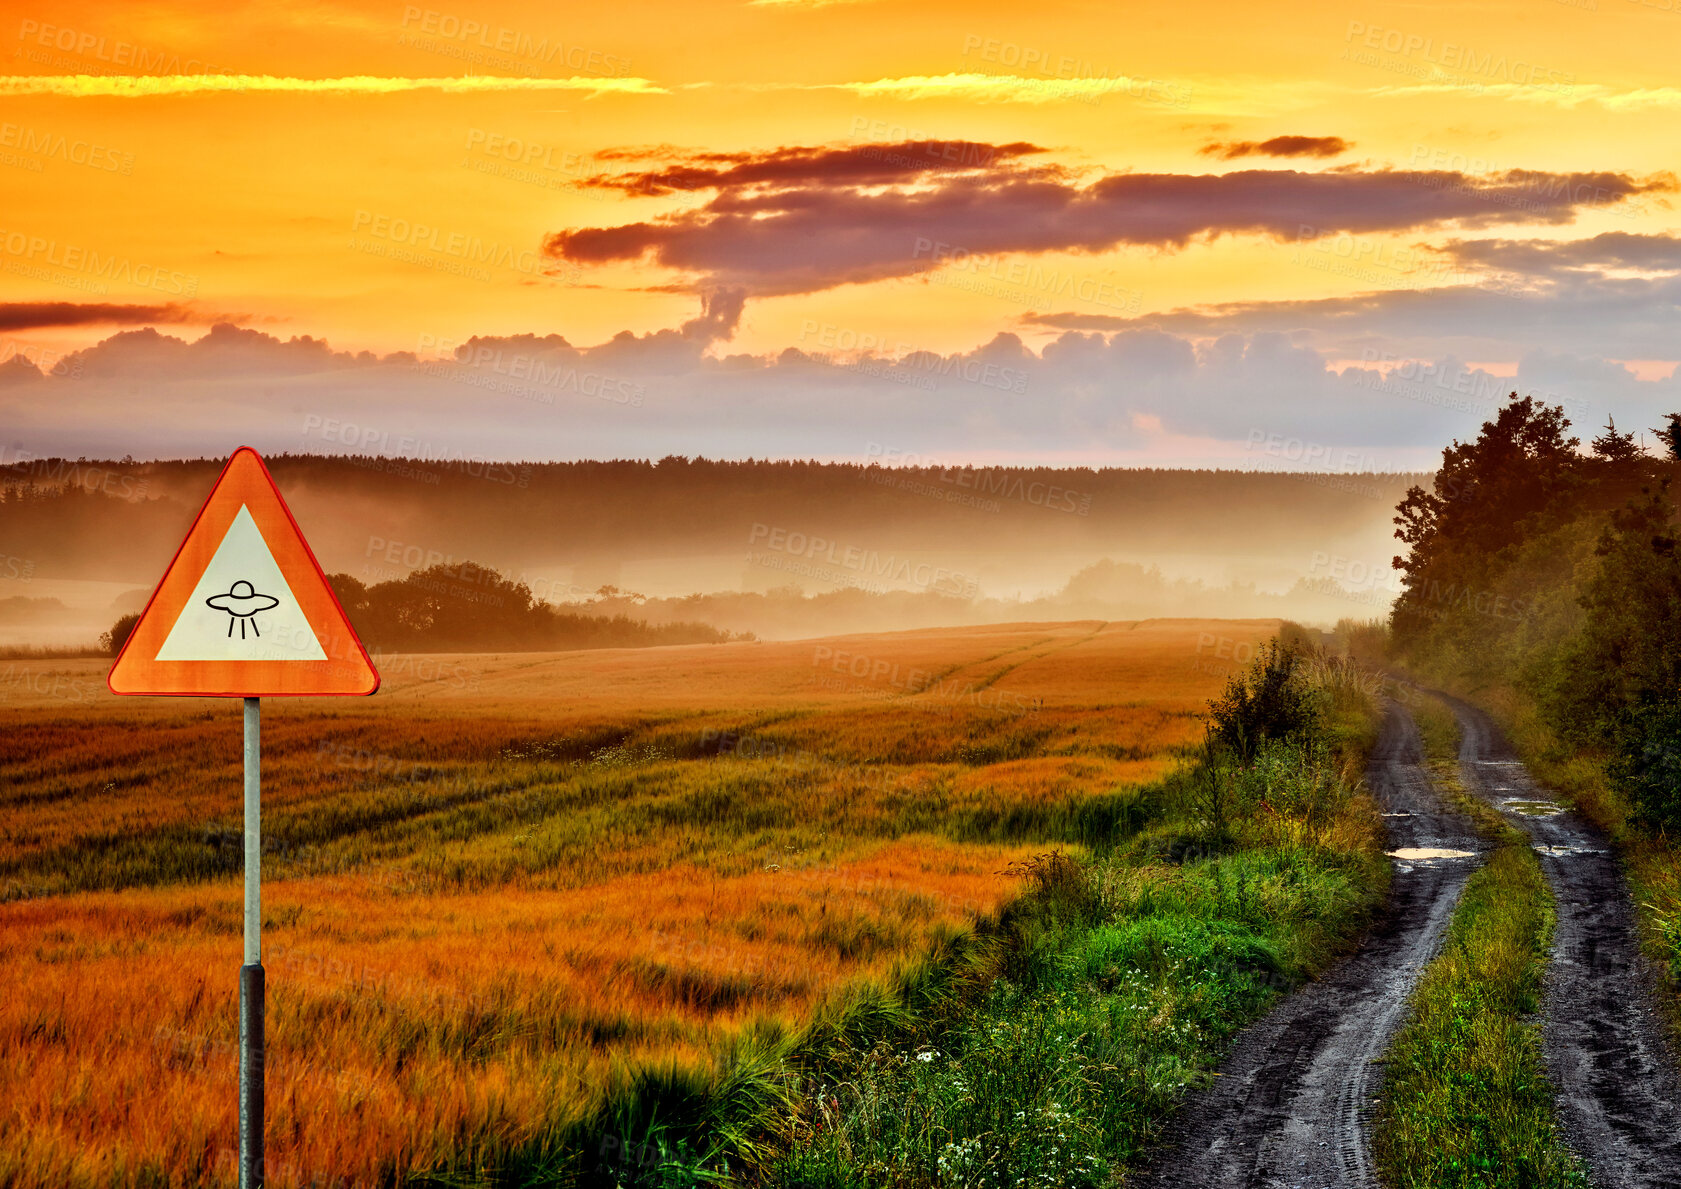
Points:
(1607, 1051)
(1290, 1107)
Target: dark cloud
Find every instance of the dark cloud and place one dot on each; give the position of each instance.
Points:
(720, 314)
(851, 165)
(1278, 146)
(811, 234)
(1559, 259)
(29, 315)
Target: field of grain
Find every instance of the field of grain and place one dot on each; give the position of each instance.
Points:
(504, 881)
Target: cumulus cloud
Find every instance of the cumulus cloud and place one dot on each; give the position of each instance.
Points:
(794, 223)
(225, 352)
(1134, 396)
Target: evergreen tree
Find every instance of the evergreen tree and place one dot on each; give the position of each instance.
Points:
(1612, 446)
(1670, 436)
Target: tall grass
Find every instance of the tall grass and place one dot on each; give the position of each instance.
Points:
(586, 926)
(1119, 984)
(1467, 1101)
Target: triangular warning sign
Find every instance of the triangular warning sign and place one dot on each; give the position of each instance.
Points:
(244, 609)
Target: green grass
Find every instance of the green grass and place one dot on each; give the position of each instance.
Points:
(1466, 1101)
(1116, 988)
(1048, 1047)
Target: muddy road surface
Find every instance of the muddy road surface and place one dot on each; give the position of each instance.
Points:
(1608, 1055)
(1290, 1107)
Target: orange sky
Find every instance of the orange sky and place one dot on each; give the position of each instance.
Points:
(252, 196)
(1483, 188)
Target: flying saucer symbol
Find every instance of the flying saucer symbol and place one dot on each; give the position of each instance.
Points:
(242, 603)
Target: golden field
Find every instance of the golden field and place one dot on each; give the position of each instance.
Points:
(504, 880)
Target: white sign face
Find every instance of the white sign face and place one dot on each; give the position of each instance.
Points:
(242, 609)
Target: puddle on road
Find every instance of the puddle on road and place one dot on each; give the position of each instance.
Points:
(1532, 808)
(1397, 815)
(1419, 854)
(1558, 851)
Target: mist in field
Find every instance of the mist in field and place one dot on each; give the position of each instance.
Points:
(780, 549)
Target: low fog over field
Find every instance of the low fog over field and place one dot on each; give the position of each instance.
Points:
(779, 549)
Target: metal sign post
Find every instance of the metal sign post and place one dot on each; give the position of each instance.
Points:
(245, 564)
(251, 974)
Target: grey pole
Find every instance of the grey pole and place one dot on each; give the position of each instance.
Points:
(251, 974)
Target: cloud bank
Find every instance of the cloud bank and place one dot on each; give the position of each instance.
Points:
(806, 219)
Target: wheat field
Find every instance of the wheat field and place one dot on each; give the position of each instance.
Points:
(504, 881)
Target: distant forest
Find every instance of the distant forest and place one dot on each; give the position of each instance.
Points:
(115, 521)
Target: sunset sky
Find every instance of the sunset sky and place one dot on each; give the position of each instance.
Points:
(1209, 233)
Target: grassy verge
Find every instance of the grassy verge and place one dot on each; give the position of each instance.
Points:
(1467, 1101)
(1117, 987)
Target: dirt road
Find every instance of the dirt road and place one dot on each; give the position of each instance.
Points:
(1619, 1099)
(1289, 1108)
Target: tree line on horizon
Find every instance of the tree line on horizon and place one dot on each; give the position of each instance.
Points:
(473, 608)
(113, 521)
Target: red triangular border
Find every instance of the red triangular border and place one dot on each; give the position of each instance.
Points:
(347, 669)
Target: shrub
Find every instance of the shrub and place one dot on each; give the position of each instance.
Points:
(1270, 699)
(112, 642)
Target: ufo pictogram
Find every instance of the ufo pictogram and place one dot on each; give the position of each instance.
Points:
(241, 603)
